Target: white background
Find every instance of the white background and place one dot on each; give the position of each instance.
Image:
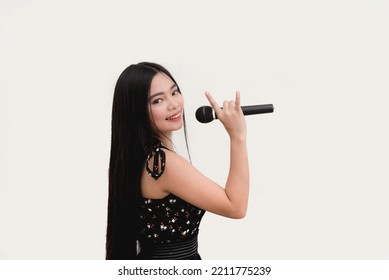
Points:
(319, 163)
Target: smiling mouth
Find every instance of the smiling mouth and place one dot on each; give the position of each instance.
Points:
(174, 117)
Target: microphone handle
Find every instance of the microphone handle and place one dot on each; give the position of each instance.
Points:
(255, 109)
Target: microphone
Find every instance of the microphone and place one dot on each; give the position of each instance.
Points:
(205, 114)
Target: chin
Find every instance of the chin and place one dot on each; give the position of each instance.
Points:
(171, 128)
(177, 128)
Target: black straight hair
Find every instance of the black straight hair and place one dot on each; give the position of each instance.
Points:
(132, 132)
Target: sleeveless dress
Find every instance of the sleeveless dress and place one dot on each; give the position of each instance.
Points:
(169, 226)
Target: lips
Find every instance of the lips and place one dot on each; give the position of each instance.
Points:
(174, 117)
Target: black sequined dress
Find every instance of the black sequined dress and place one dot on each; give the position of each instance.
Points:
(169, 226)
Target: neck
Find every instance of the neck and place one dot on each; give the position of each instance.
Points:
(166, 140)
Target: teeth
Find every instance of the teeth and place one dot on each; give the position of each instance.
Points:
(175, 116)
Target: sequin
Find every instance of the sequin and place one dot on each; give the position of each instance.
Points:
(163, 224)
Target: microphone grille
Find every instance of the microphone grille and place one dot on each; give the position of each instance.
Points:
(204, 114)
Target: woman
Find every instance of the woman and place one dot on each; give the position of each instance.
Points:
(157, 198)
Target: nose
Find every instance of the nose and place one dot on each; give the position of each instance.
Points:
(173, 104)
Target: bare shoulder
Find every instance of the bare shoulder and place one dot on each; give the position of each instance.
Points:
(176, 164)
(158, 188)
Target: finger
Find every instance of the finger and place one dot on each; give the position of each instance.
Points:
(226, 106)
(237, 100)
(212, 101)
(231, 105)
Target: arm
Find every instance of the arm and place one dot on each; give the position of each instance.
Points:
(185, 181)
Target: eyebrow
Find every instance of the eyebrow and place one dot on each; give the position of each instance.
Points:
(160, 93)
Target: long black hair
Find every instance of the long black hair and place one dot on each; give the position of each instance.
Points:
(131, 134)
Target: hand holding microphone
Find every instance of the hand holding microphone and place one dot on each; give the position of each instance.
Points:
(231, 116)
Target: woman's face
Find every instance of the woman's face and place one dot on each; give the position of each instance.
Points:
(166, 105)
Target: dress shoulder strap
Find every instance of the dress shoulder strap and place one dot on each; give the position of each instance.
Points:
(158, 167)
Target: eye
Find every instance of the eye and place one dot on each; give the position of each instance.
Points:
(157, 101)
(175, 92)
